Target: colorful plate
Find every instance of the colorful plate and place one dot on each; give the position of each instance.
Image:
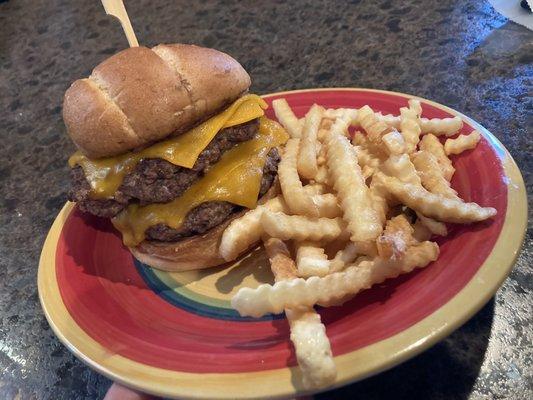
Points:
(175, 334)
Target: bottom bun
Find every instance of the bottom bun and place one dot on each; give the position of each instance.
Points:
(195, 252)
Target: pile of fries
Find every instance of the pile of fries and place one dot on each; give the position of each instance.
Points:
(354, 210)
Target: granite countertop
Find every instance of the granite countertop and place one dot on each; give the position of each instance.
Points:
(459, 53)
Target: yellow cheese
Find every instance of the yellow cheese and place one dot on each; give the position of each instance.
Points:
(105, 175)
(236, 178)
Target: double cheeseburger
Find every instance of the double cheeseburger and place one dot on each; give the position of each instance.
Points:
(171, 147)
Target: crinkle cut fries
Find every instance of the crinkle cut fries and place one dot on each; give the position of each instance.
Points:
(381, 194)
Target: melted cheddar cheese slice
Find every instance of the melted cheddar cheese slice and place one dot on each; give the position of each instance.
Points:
(236, 178)
(105, 175)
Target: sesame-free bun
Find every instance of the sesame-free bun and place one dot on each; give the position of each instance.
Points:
(139, 96)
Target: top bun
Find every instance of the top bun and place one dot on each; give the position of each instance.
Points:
(140, 96)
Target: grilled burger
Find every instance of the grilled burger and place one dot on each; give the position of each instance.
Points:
(171, 147)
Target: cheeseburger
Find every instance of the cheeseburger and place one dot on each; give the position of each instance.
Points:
(171, 147)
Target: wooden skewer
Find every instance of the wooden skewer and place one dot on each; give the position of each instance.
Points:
(116, 9)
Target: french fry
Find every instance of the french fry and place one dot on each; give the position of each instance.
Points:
(308, 334)
(344, 257)
(433, 205)
(410, 128)
(436, 126)
(402, 168)
(323, 131)
(321, 156)
(285, 227)
(435, 227)
(313, 350)
(311, 259)
(339, 206)
(367, 171)
(360, 139)
(307, 153)
(367, 159)
(415, 106)
(328, 206)
(421, 233)
(394, 142)
(287, 118)
(392, 121)
(307, 292)
(279, 256)
(246, 230)
(441, 126)
(380, 200)
(431, 144)
(462, 143)
(431, 174)
(322, 176)
(348, 114)
(315, 188)
(353, 194)
(373, 127)
(297, 199)
(396, 238)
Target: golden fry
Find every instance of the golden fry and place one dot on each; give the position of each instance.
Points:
(246, 230)
(410, 128)
(433, 205)
(308, 334)
(285, 227)
(462, 143)
(353, 194)
(311, 259)
(307, 153)
(396, 238)
(431, 144)
(307, 292)
(297, 199)
(431, 174)
(287, 118)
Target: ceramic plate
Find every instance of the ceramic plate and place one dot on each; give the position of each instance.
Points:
(176, 335)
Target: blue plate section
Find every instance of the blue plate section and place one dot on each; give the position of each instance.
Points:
(192, 306)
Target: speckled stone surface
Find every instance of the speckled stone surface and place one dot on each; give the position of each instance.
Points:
(459, 53)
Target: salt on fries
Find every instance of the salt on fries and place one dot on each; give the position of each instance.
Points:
(308, 334)
(353, 196)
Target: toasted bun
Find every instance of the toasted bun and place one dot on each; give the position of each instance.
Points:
(140, 96)
(196, 252)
